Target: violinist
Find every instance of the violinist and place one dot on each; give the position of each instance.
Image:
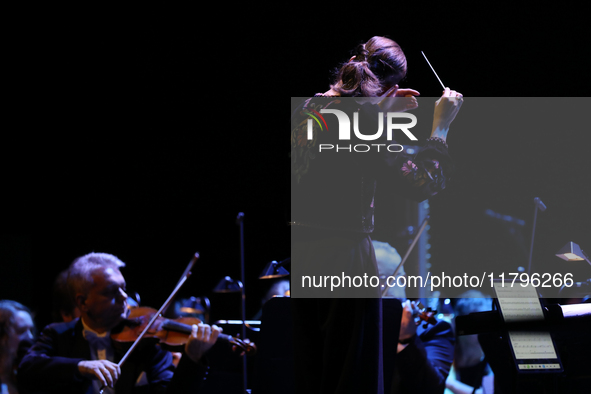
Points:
(424, 354)
(80, 357)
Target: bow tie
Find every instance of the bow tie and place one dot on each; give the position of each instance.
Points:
(100, 346)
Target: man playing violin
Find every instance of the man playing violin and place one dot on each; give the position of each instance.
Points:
(80, 357)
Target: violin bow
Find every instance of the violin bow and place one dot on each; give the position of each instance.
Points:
(185, 276)
(412, 245)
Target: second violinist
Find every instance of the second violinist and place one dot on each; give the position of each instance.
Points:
(79, 357)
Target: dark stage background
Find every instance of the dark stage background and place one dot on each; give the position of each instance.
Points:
(117, 140)
(144, 135)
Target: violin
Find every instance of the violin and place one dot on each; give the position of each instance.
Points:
(427, 315)
(172, 333)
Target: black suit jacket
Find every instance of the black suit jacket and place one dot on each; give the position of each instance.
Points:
(51, 365)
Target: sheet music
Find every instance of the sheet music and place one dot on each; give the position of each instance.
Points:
(518, 303)
(532, 345)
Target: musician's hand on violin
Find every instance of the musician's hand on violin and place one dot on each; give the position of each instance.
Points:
(103, 370)
(202, 338)
(446, 109)
(408, 326)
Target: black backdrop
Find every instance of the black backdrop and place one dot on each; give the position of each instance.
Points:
(116, 140)
(143, 133)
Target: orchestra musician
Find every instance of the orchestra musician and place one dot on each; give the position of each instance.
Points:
(16, 332)
(80, 357)
(63, 308)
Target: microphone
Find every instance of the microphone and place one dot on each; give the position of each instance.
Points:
(240, 217)
(540, 204)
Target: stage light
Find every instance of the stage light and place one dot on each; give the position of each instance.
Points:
(572, 252)
(194, 305)
(275, 270)
(228, 285)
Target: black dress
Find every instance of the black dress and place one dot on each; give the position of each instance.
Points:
(337, 330)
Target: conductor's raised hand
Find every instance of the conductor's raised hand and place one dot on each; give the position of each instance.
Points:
(407, 93)
(103, 370)
(399, 100)
(202, 338)
(446, 109)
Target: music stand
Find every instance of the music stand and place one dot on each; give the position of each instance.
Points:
(532, 351)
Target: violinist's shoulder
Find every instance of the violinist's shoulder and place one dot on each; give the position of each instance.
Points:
(62, 327)
(441, 329)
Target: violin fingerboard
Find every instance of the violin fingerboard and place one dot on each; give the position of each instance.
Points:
(225, 338)
(177, 327)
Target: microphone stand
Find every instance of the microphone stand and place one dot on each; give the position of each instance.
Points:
(538, 204)
(240, 222)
